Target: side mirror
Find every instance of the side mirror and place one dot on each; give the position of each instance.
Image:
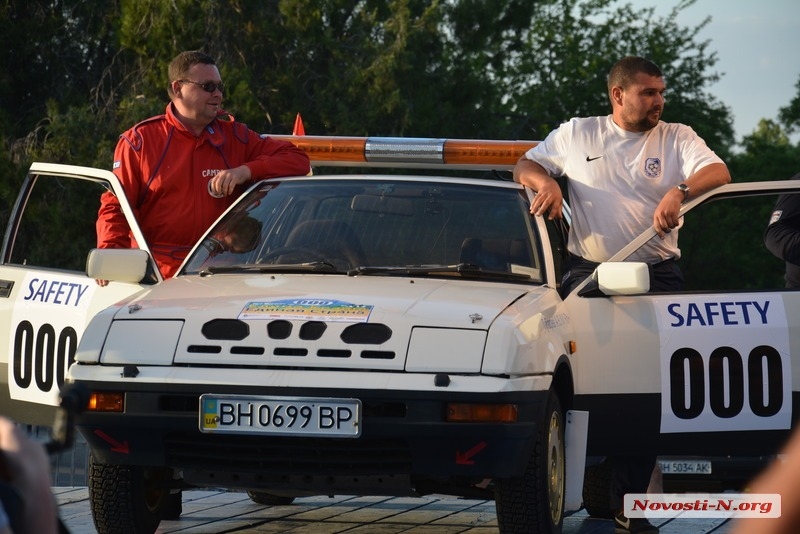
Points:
(618, 278)
(117, 264)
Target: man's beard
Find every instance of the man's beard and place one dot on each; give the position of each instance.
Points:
(645, 123)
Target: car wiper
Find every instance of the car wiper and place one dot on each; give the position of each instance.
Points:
(401, 269)
(313, 266)
(465, 269)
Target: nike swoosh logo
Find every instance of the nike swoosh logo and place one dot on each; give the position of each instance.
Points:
(592, 159)
(627, 523)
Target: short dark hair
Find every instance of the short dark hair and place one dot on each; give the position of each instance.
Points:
(624, 70)
(245, 238)
(180, 65)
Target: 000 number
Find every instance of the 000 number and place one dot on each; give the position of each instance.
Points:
(725, 382)
(42, 356)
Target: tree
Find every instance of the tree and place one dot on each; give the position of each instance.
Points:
(768, 155)
(790, 115)
(84, 72)
(572, 44)
(55, 54)
(448, 68)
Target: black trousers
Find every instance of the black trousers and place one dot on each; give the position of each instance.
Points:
(629, 474)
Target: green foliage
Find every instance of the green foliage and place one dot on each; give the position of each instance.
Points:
(712, 263)
(79, 73)
(723, 249)
(571, 46)
(768, 155)
(790, 115)
(65, 212)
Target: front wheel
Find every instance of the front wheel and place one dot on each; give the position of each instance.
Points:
(534, 503)
(128, 499)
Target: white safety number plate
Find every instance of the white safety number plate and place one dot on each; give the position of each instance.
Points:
(282, 416)
(675, 466)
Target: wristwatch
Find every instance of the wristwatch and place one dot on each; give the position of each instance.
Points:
(683, 188)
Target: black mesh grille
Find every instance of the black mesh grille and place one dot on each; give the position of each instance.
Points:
(279, 455)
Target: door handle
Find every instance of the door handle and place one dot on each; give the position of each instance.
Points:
(5, 288)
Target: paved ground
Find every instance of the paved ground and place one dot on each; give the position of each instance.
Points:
(221, 512)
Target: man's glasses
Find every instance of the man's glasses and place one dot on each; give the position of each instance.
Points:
(209, 87)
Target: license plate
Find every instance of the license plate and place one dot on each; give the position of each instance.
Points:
(685, 467)
(281, 416)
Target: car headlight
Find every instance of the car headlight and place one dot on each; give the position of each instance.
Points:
(142, 342)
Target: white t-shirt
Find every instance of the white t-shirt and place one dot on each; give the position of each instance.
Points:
(616, 178)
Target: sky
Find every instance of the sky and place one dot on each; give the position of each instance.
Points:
(758, 50)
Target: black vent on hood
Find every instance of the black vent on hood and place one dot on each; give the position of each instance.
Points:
(279, 329)
(231, 329)
(312, 330)
(367, 333)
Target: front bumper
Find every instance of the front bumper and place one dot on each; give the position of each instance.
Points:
(405, 439)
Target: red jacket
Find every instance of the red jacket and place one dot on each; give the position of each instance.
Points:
(164, 170)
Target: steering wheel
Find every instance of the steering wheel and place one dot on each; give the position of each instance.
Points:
(309, 253)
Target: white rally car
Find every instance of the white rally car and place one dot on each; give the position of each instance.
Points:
(382, 334)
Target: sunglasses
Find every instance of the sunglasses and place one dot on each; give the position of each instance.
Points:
(209, 87)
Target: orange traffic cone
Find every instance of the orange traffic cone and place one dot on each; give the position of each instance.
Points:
(299, 129)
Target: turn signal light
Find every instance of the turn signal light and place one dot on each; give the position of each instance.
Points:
(106, 402)
(481, 413)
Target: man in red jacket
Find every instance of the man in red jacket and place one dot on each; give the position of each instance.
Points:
(181, 170)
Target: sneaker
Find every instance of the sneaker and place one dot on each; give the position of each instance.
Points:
(636, 525)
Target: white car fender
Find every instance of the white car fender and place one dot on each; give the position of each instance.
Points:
(528, 337)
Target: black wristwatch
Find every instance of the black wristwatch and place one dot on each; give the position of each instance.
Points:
(685, 190)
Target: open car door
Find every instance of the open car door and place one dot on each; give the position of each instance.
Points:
(711, 370)
(46, 298)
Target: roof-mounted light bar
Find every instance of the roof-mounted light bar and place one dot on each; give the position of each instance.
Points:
(410, 151)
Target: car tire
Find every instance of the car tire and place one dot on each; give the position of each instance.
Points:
(535, 502)
(260, 497)
(174, 507)
(597, 490)
(127, 499)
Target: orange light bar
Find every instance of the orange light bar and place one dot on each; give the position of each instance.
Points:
(481, 413)
(410, 151)
(482, 152)
(106, 402)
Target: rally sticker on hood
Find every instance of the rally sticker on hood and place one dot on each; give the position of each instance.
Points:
(307, 310)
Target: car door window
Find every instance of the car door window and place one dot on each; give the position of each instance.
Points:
(722, 246)
(57, 227)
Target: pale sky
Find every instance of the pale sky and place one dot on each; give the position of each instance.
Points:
(758, 49)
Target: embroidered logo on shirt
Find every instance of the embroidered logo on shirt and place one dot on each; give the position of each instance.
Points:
(776, 215)
(117, 165)
(652, 167)
(592, 159)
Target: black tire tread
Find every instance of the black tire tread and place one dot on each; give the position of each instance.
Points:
(596, 490)
(522, 504)
(114, 492)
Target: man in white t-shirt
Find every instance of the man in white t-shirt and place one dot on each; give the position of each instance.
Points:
(625, 172)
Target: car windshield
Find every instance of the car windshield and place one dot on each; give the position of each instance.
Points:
(376, 227)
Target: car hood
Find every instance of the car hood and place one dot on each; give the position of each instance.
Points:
(315, 320)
